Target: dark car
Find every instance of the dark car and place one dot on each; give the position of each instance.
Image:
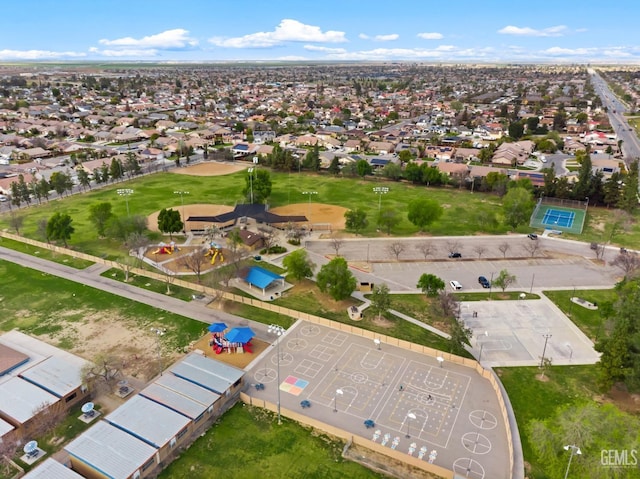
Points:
(484, 282)
(455, 255)
(532, 236)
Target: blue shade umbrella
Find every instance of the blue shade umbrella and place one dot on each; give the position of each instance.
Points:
(240, 335)
(217, 327)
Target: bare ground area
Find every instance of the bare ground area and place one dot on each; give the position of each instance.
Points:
(316, 213)
(210, 169)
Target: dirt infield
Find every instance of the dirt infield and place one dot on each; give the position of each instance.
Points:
(210, 169)
(316, 213)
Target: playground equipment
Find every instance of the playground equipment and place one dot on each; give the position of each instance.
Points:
(214, 251)
(166, 249)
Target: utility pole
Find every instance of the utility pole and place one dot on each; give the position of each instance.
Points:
(546, 338)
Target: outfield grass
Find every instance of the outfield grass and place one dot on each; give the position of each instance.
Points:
(247, 442)
(154, 285)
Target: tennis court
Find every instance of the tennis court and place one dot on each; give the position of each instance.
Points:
(559, 214)
(553, 217)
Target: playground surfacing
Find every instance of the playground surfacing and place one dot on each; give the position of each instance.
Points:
(438, 412)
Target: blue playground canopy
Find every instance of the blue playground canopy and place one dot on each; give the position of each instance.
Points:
(217, 327)
(262, 278)
(240, 335)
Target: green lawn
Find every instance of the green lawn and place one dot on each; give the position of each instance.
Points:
(154, 285)
(247, 442)
(45, 253)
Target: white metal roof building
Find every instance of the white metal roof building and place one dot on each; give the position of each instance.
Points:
(208, 373)
(186, 388)
(148, 421)
(52, 469)
(176, 400)
(110, 451)
(20, 399)
(5, 427)
(58, 376)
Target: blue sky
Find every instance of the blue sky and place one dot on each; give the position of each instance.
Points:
(328, 30)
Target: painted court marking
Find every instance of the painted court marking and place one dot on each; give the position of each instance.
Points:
(467, 467)
(322, 352)
(293, 385)
(308, 368)
(335, 338)
(310, 330)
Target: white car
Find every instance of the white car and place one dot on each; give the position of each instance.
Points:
(455, 285)
(3, 198)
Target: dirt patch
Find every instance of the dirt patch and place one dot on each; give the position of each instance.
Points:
(624, 400)
(316, 213)
(210, 169)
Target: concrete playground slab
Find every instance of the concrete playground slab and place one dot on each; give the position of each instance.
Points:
(434, 410)
(516, 332)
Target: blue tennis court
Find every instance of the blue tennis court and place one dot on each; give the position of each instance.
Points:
(563, 219)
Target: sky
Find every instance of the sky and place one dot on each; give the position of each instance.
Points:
(462, 31)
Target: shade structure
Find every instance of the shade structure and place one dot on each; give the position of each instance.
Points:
(217, 327)
(240, 335)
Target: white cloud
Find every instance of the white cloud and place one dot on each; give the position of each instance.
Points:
(386, 38)
(568, 51)
(318, 48)
(364, 36)
(37, 54)
(176, 39)
(430, 36)
(287, 31)
(556, 31)
(126, 52)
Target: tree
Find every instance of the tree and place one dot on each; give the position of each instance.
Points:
(99, 215)
(169, 221)
(422, 212)
(380, 299)
(426, 248)
(628, 262)
(532, 247)
(356, 220)
(503, 248)
(59, 227)
(516, 130)
(259, 183)
(479, 249)
(103, 372)
(16, 221)
(83, 179)
(336, 279)
(195, 262)
(393, 171)
(460, 336)
(334, 167)
(504, 280)
(517, 205)
(363, 168)
(582, 188)
(336, 244)
(388, 218)
(454, 246)
(430, 284)
(298, 265)
(60, 182)
(396, 249)
(116, 171)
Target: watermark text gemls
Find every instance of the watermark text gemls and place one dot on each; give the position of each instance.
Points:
(619, 457)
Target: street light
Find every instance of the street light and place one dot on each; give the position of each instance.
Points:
(410, 417)
(250, 170)
(310, 194)
(546, 338)
(159, 333)
(126, 192)
(440, 360)
(335, 399)
(184, 218)
(278, 331)
(486, 333)
(380, 190)
(574, 450)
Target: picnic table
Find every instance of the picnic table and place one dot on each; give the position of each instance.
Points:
(305, 404)
(259, 386)
(369, 423)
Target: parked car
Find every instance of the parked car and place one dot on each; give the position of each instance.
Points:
(3, 198)
(455, 255)
(484, 282)
(532, 236)
(455, 285)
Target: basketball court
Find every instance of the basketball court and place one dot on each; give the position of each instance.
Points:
(437, 411)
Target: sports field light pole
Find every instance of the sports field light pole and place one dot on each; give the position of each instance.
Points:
(250, 170)
(184, 218)
(159, 333)
(574, 450)
(278, 331)
(126, 192)
(410, 417)
(310, 194)
(339, 392)
(380, 190)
